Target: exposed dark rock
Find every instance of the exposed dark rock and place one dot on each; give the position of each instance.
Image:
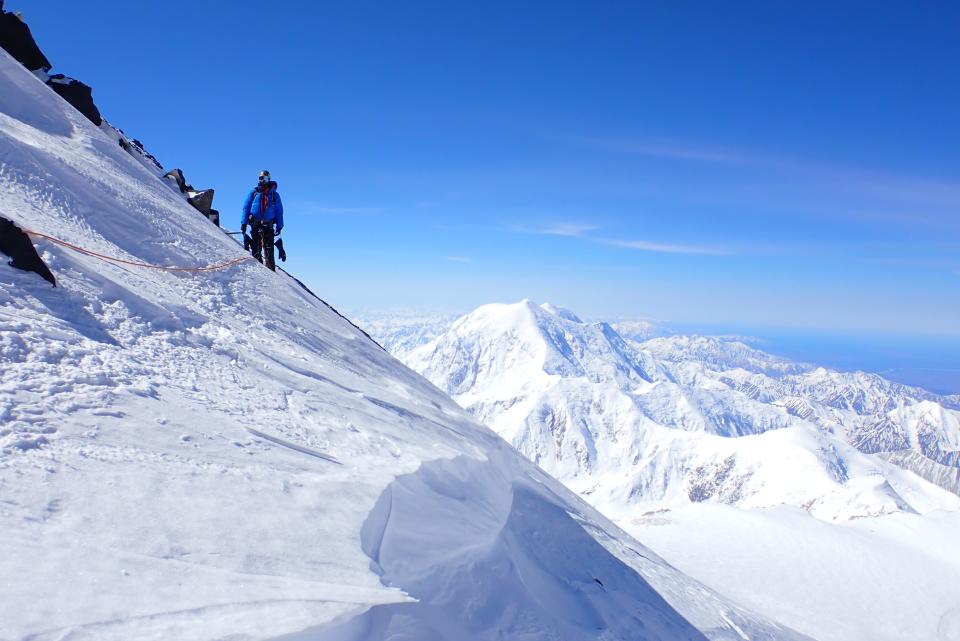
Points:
(77, 94)
(201, 200)
(17, 245)
(16, 39)
(143, 152)
(176, 176)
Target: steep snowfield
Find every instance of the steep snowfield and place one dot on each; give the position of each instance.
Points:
(663, 436)
(221, 455)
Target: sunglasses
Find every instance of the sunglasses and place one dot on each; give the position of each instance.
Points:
(264, 179)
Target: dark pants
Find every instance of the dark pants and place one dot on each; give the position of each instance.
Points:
(262, 234)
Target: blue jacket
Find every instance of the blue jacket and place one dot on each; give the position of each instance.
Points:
(254, 206)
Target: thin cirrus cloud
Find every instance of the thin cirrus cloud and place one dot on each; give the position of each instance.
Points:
(671, 151)
(871, 191)
(570, 230)
(670, 248)
(582, 231)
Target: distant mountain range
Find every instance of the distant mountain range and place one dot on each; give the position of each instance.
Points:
(716, 451)
(637, 422)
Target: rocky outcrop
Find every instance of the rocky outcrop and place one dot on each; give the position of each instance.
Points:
(78, 94)
(16, 39)
(134, 147)
(16, 244)
(201, 199)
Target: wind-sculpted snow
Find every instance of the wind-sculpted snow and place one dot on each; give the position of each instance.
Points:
(516, 562)
(206, 456)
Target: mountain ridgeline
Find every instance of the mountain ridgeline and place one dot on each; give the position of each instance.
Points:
(584, 402)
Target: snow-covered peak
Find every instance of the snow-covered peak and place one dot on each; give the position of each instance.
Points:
(562, 312)
(513, 347)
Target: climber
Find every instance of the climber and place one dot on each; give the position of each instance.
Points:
(262, 210)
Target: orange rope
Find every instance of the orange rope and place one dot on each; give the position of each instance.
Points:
(111, 259)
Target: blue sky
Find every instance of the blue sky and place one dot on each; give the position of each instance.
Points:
(768, 164)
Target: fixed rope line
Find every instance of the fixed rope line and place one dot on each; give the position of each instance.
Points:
(112, 259)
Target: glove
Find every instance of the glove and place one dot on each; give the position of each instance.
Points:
(283, 254)
(243, 228)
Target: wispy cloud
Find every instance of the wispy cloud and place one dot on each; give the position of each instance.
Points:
(572, 230)
(867, 193)
(458, 259)
(583, 231)
(660, 150)
(670, 248)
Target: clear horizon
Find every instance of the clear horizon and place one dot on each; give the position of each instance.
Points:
(750, 165)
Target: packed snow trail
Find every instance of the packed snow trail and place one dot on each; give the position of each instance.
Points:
(160, 433)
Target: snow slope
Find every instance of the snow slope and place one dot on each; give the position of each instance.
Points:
(221, 455)
(715, 450)
(890, 578)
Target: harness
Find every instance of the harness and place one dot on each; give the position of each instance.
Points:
(263, 201)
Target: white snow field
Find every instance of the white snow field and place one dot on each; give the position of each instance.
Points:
(789, 486)
(222, 456)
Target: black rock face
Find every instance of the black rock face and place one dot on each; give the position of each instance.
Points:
(176, 176)
(16, 244)
(16, 39)
(202, 201)
(77, 94)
